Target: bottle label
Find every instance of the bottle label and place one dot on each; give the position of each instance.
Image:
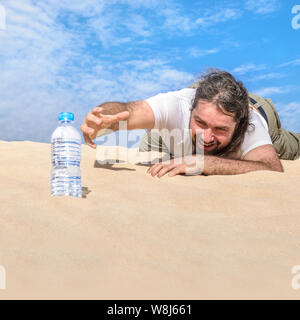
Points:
(65, 152)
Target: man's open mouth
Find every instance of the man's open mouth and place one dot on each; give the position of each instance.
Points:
(208, 144)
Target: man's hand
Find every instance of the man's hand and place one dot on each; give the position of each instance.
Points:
(260, 158)
(96, 120)
(139, 115)
(190, 165)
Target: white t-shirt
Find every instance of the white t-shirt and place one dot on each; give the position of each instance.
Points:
(172, 110)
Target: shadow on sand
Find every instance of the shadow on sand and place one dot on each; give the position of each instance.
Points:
(85, 191)
(108, 164)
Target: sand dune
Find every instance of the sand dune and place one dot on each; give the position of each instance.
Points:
(138, 237)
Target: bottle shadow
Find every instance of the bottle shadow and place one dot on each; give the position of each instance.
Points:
(85, 191)
(108, 164)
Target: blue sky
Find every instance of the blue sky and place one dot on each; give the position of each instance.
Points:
(59, 55)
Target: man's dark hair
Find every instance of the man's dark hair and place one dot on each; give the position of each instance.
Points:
(222, 89)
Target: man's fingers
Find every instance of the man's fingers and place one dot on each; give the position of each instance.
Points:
(151, 168)
(93, 121)
(165, 170)
(96, 121)
(108, 119)
(88, 141)
(174, 172)
(160, 169)
(88, 135)
(96, 111)
(155, 169)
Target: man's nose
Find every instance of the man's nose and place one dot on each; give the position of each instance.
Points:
(208, 136)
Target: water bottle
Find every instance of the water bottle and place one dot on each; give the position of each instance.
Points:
(65, 156)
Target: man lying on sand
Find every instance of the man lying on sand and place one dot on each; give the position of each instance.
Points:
(241, 132)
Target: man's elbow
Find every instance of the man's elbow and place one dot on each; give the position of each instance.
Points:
(279, 169)
(272, 166)
(276, 167)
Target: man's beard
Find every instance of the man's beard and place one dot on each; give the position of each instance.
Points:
(213, 152)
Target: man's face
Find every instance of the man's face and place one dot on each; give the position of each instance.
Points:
(217, 127)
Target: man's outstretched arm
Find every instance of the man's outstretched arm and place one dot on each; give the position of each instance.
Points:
(138, 115)
(260, 158)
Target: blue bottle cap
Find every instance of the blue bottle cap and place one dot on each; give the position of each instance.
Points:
(66, 116)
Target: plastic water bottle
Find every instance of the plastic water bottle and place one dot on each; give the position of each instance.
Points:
(65, 157)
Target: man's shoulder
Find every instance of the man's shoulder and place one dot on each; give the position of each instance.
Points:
(181, 100)
(186, 93)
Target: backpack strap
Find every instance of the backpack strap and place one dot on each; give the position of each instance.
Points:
(260, 109)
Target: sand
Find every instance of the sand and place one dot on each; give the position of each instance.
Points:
(138, 237)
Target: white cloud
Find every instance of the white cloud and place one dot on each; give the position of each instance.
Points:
(290, 115)
(137, 24)
(265, 92)
(262, 6)
(145, 64)
(222, 15)
(291, 63)
(290, 109)
(87, 8)
(158, 77)
(106, 30)
(268, 76)
(47, 64)
(175, 20)
(248, 67)
(149, 4)
(196, 53)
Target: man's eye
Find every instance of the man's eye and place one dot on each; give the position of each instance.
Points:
(221, 129)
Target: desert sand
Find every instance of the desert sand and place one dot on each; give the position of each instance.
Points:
(133, 236)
